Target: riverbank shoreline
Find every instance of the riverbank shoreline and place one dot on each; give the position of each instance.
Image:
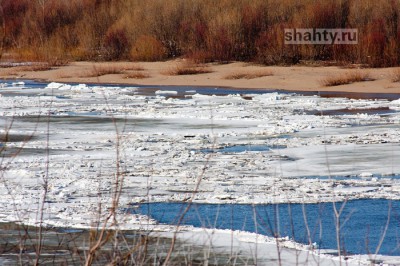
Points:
(232, 75)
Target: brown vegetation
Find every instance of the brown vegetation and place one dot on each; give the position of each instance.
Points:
(348, 78)
(98, 71)
(137, 75)
(188, 68)
(37, 67)
(204, 30)
(249, 75)
(109, 69)
(396, 75)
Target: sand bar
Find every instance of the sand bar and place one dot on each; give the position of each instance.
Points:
(292, 78)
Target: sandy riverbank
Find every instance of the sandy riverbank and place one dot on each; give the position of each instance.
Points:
(300, 78)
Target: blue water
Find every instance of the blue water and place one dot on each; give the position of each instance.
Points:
(362, 221)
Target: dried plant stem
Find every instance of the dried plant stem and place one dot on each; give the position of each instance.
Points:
(45, 186)
(189, 202)
(382, 238)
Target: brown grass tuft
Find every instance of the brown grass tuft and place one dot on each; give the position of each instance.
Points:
(348, 78)
(189, 68)
(137, 75)
(44, 66)
(36, 67)
(57, 62)
(249, 75)
(110, 69)
(98, 71)
(395, 77)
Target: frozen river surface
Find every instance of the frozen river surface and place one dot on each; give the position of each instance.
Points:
(174, 144)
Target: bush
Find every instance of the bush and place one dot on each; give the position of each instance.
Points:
(348, 78)
(203, 30)
(116, 44)
(200, 56)
(148, 48)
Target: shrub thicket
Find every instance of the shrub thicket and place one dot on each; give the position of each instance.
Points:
(206, 30)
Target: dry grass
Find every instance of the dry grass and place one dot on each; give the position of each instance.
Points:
(395, 76)
(188, 68)
(37, 68)
(137, 75)
(249, 75)
(112, 69)
(348, 78)
(57, 62)
(98, 71)
(209, 31)
(44, 66)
